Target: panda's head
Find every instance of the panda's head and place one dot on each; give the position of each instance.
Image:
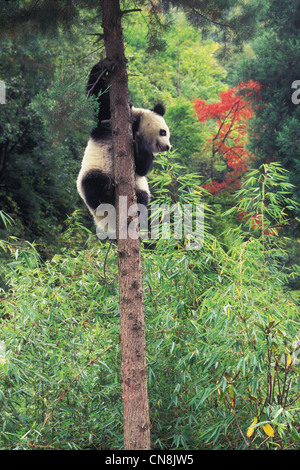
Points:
(153, 128)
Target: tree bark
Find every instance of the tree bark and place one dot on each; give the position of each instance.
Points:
(132, 323)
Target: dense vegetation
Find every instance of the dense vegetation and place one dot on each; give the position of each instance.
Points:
(222, 322)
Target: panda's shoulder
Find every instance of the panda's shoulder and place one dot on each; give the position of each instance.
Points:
(136, 113)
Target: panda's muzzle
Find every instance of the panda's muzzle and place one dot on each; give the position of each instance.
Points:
(162, 148)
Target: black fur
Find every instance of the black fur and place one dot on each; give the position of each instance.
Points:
(101, 132)
(159, 109)
(98, 188)
(143, 156)
(98, 84)
(142, 197)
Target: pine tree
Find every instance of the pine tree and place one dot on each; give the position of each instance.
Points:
(276, 126)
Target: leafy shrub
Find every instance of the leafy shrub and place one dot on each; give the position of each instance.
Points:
(221, 334)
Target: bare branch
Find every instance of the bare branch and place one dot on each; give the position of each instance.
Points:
(209, 19)
(100, 37)
(125, 12)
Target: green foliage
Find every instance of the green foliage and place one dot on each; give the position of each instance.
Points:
(64, 108)
(275, 65)
(44, 17)
(188, 137)
(187, 67)
(268, 199)
(221, 339)
(44, 127)
(237, 20)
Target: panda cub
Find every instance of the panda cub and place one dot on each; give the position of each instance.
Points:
(95, 182)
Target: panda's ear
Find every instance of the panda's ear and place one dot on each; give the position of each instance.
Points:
(159, 109)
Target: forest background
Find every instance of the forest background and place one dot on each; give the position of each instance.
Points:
(222, 323)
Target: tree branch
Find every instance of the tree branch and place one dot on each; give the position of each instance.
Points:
(100, 37)
(125, 12)
(209, 19)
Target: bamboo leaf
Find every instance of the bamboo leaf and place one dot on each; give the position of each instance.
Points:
(250, 430)
(231, 391)
(268, 430)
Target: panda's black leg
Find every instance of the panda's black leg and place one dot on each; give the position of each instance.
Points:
(143, 156)
(142, 197)
(98, 188)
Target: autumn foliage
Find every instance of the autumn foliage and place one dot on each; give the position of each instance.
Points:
(232, 114)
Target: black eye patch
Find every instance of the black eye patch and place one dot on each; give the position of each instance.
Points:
(162, 132)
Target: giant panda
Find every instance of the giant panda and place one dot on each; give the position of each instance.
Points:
(151, 135)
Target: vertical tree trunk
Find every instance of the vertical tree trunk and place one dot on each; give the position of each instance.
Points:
(132, 324)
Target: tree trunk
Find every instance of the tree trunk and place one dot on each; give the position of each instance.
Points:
(132, 323)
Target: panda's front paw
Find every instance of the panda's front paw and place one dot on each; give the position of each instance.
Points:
(140, 144)
(138, 138)
(109, 183)
(143, 155)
